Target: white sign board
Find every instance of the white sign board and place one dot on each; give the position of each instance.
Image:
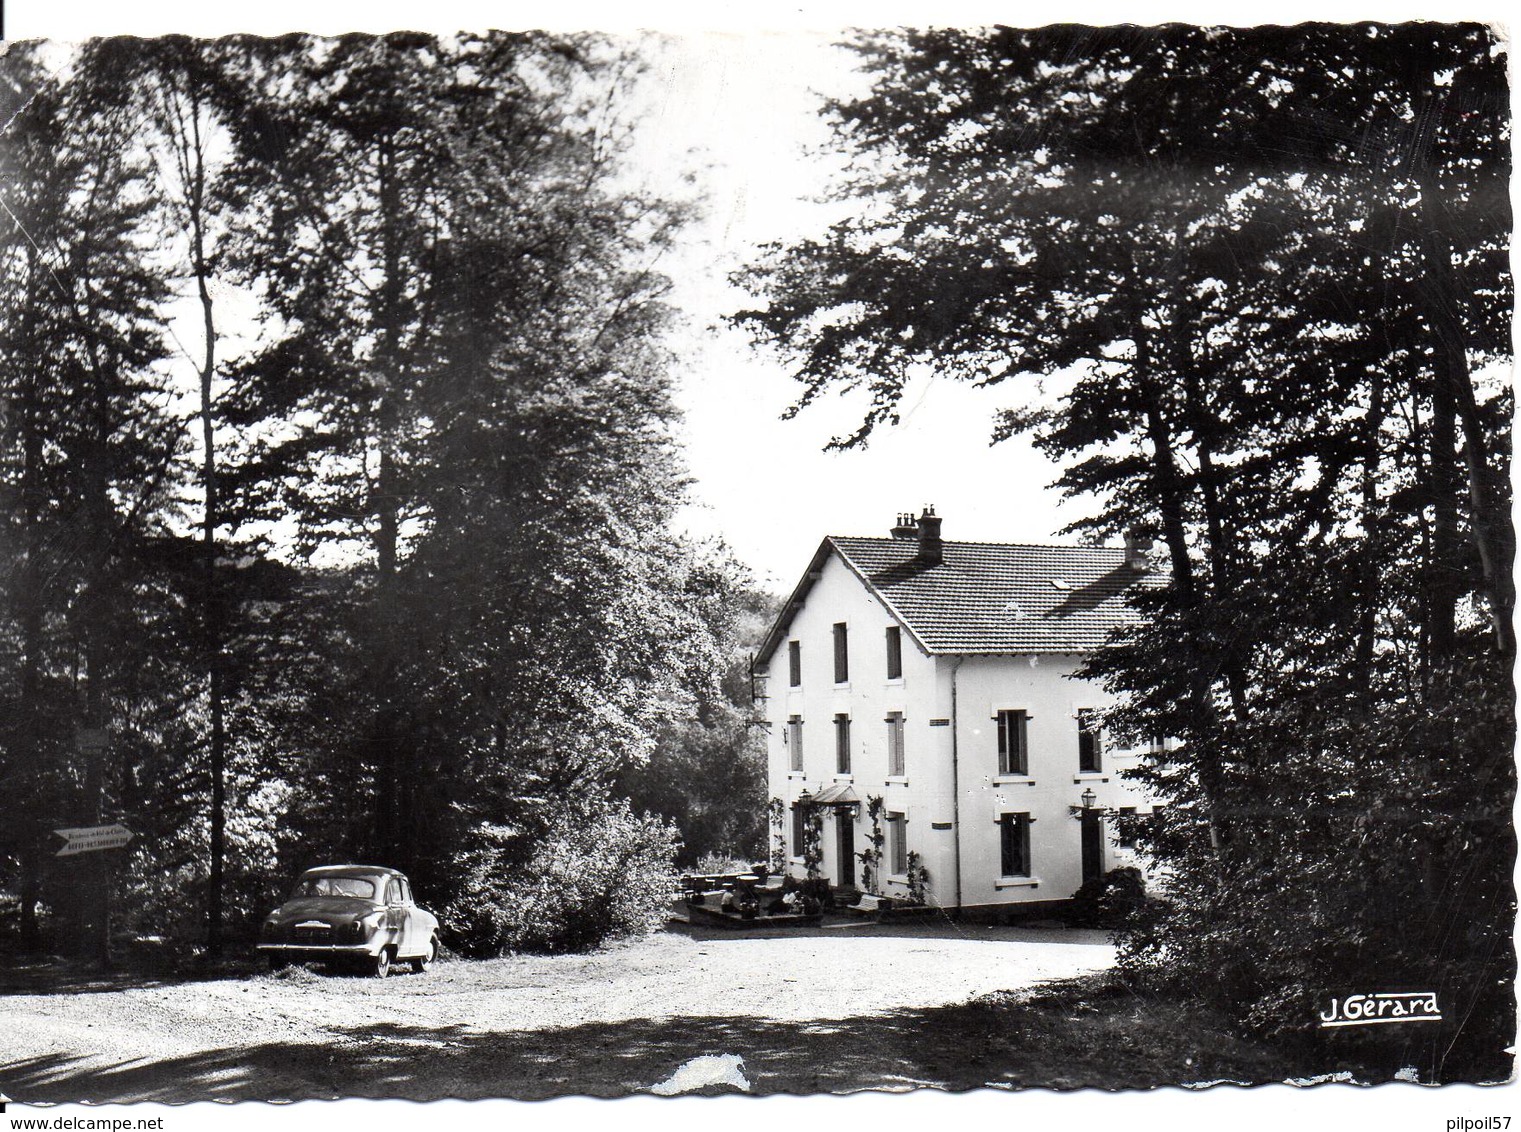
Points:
(92, 838)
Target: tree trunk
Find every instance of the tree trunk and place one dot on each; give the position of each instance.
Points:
(29, 593)
(1443, 577)
(1489, 528)
(1444, 299)
(93, 611)
(1169, 491)
(194, 166)
(387, 505)
(1372, 523)
(1197, 414)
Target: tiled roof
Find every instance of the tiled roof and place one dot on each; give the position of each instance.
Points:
(986, 597)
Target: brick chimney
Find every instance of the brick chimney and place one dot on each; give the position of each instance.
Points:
(906, 527)
(930, 551)
(1138, 550)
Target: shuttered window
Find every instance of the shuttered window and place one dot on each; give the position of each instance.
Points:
(841, 655)
(794, 665)
(895, 761)
(897, 843)
(894, 653)
(795, 741)
(842, 744)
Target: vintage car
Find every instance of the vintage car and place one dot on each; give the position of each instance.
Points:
(361, 914)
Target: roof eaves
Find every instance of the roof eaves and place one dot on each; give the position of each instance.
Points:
(789, 609)
(1066, 650)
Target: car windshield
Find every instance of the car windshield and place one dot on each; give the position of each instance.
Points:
(334, 886)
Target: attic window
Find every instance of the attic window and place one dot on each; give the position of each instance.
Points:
(1013, 610)
(1060, 584)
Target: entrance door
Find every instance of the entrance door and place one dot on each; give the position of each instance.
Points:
(845, 845)
(1093, 846)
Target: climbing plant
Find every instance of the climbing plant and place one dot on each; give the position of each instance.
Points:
(918, 879)
(813, 842)
(776, 815)
(871, 856)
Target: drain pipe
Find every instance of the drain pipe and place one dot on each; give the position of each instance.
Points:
(956, 783)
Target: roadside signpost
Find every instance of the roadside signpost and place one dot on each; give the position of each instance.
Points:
(92, 838)
(91, 843)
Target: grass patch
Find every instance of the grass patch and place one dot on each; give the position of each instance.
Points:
(1095, 1032)
(300, 974)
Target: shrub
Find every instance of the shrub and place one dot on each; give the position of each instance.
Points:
(720, 864)
(597, 872)
(1108, 901)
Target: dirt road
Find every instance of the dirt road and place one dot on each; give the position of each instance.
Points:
(838, 1008)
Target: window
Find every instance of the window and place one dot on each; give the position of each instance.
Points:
(795, 741)
(842, 744)
(897, 843)
(334, 886)
(841, 655)
(799, 822)
(794, 664)
(1014, 844)
(895, 765)
(1090, 741)
(1125, 827)
(1013, 742)
(894, 653)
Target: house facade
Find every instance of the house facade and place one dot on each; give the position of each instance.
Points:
(938, 676)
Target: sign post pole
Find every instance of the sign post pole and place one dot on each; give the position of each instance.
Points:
(93, 742)
(98, 839)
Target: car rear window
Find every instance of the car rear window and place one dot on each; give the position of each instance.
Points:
(335, 886)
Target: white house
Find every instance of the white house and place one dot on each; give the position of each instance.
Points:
(938, 676)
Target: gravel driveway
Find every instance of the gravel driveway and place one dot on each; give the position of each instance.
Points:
(805, 1011)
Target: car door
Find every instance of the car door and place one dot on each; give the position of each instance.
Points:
(406, 919)
(395, 920)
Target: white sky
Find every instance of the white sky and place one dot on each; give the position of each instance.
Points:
(741, 112)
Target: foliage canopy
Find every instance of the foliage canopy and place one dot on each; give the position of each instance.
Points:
(1266, 270)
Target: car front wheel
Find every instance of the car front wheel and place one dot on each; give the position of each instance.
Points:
(423, 962)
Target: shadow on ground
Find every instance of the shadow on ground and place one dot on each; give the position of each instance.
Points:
(50, 976)
(1055, 1039)
(928, 927)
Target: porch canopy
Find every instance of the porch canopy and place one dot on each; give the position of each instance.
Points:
(838, 794)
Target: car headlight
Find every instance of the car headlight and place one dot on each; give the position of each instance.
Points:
(268, 930)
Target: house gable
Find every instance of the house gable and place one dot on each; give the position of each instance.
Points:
(795, 601)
